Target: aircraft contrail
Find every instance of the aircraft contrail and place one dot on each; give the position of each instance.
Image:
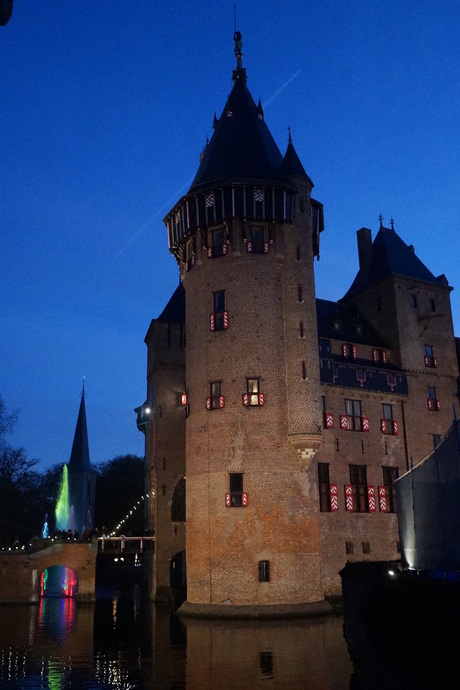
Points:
(281, 88)
(187, 184)
(136, 234)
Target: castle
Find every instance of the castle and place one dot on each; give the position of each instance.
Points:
(276, 423)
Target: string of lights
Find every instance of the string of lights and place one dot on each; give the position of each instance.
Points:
(144, 497)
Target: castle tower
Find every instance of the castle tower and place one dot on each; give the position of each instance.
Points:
(245, 236)
(410, 306)
(82, 478)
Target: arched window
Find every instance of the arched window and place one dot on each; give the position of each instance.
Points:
(178, 502)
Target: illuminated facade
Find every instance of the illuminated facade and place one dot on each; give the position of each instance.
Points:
(286, 418)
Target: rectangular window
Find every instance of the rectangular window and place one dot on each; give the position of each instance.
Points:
(379, 356)
(253, 397)
(413, 300)
(349, 550)
(328, 417)
(256, 243)
(264, 571)
(216, 399)
(358, 481)
(236, 489)
(387, 424)
(389, 475)
(353, 415)
(190, 255)
(434, 405)
(219, 317)
(349, 351)
(432, 305)
(366, 547)
(430, 359)
(218, 243)
(324, 487)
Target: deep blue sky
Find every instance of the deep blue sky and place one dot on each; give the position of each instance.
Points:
(105, 106)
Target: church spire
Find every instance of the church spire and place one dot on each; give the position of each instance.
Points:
(79, 457)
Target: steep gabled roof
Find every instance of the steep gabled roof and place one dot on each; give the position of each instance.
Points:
(391, 256)
(338, 321)
(79, 456)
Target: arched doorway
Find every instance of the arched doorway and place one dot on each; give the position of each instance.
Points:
(59, 581)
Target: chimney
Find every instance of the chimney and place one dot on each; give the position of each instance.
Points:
(364, 236)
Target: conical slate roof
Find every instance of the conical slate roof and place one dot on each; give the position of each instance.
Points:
(79, 457)
(174, 311)
(391, 256)
(242, 147)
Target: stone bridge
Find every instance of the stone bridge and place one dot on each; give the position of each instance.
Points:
(20, 571)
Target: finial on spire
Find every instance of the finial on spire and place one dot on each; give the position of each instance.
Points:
(290, 138)
(83, 396)
(239, 73)
(392, 223)
(381, 220)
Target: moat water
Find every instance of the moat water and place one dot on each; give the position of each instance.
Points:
(128, 642)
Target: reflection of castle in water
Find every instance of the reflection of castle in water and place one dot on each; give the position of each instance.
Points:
(127, 643)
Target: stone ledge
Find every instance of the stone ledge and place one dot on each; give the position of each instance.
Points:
(306, 610)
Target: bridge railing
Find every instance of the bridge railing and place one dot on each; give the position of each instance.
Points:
(123, 543)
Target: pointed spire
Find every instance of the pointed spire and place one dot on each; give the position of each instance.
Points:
(260, 110)
(292, 164)
(239, 74)
(79, 457)
(381, 220)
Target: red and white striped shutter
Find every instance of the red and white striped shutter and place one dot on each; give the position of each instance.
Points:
(244, 499)
(245, 399)
(349, 503)
(184, 398)
(435, 362)
(266, 247)
(193, 260)
(353, 349)
(208, 403)
(427, 361)
(430, 403)
(329, 417)
(225, 320)
(221, 401)
(383, 503)
(344, 422)
(366, 425)
(224, 249)
(228, 500)
(213, 322)
(249, 247)
(345, 350)
(383, 426)
(371, 498)
(334, 495)
(261, 399)
(438, 405)
(384, 356)
(395, 428)
(209, 252)
(375, 354)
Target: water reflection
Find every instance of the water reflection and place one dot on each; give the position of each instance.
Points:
(127, 643)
